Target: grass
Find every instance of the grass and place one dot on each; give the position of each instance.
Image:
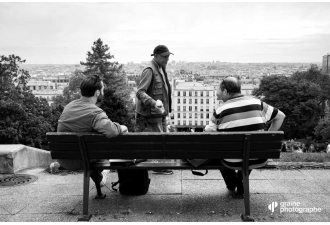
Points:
(303, 157)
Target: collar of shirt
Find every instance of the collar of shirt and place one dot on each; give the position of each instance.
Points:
(159, 68)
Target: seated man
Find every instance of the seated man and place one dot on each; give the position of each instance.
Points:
(241, 113)
(82, 115)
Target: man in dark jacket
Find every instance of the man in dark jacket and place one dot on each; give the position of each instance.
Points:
(154, 94)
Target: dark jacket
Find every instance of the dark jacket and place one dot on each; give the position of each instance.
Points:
(159, 88)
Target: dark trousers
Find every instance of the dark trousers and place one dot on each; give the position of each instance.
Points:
(96, 175)
(144, 124)
(234, 179)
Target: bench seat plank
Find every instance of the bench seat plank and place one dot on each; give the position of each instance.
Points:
(177, 165)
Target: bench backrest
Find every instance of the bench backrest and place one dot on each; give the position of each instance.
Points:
(176, 145)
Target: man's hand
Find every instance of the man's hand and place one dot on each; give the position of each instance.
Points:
(159, 107)
(124, 129)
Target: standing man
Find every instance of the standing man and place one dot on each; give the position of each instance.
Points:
(154, 94)
(241, 113)
(82, 115)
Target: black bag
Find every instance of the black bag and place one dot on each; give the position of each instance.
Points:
(132, 182)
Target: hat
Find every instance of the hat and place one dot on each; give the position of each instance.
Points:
(161, 49)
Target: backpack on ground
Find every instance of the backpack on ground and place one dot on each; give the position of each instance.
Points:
(132, 182)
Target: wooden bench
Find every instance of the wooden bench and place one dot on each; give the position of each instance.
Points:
(216, 145)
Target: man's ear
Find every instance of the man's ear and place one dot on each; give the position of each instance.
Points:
(97, 93)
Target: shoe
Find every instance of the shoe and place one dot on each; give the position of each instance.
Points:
(231, 193)
(164, 172)
(104, 179)
(240, 193)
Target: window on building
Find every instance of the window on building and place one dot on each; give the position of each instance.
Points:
(178, 93)
(207, 122)
(207, 115)
(207, 101)
(201, 122)
(178, 108)
(195, 115)
(184, 108)
(201, 93)
(196, 101)
(190, 93)
(190, 115)
(184, 93)
(202, 109)
(178, 115)
(184, 122)
(190, 122)
(201, 115)
(207, 108)
(184, 115)
(190, 101)
(178, 122)
(184, 101)
(196, 108)
(201, 101)
(178, 100)
(196, 122)
(190, 108)
(195, 93)
(207, 93)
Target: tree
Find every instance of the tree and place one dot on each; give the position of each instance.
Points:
(10, 74)
(300, 101)
(117, 102)
(24, 118)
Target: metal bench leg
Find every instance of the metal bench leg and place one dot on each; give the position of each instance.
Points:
(85, 216)
(246, 217)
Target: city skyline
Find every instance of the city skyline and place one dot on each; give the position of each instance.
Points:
(243, 32)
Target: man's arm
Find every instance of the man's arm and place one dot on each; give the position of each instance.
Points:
(102, 124)
(145, 82)
(277, 121)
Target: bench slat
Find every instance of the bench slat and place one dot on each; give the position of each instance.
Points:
(203, 137)
(64, 146)
(179, 164)
(127, 137)
(62, 137)
(65, 155)
(126, 155)
(124, 146)
(132, 154)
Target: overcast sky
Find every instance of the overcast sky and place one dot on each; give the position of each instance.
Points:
(60, 32)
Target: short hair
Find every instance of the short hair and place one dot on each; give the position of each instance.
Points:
(89, 85)
(231, 86)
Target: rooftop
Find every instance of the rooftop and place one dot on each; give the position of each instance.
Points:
(194, 86)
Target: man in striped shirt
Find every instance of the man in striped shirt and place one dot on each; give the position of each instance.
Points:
(241, 113)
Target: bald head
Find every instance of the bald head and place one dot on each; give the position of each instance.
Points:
(231, 84)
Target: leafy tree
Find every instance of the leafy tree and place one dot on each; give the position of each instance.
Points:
(300, 101)
(117, 111)
(117, 103)
(23, 117)
(10, 74)
(322, 130)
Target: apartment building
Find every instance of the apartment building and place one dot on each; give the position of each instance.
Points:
(326, 64)
(193, 104)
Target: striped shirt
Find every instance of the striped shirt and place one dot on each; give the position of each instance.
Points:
(243, 113)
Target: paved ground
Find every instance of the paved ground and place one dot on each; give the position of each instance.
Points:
(178, 197)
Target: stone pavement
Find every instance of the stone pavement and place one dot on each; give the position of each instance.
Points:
(180, 197)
